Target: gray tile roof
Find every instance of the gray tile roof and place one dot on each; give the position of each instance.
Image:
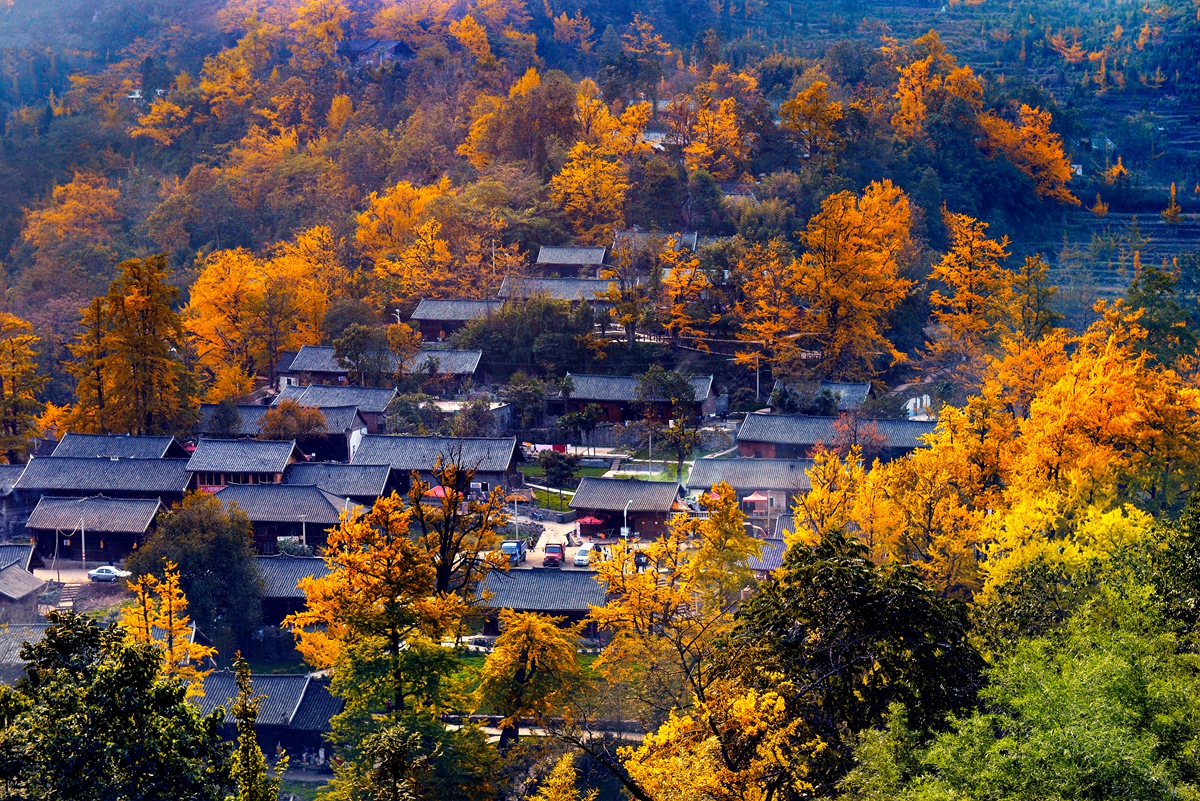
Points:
(15, 635)
(449, 362)
(849, 395)
(368, 399)
(117, 446)
(407, 453)
(283, 695)
(454, 310)
(315, 359)
(636, 238)
(241, 456)
(16, 555)
(250, 415)
(538, 590)
(554, 288)
(769, 558)
(342, 480)
(289, 392)
(752, 474)
(783, 429)
(82, 475)
(16, 582)
(618, 388)
(340, 419)
(571, 255)
(784, 524)
(317, 706)
(611, 494)
(281, 574)
(100, 514)
(284, 503)
(9, 473)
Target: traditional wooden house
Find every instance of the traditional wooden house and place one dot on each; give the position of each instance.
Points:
(218, 462)
(363, 484)
(248, 424)
(572, 290)
(438, 319)
(647, 505)
(561, 593)
(766, 488)
(304, 513)
(617, 397)
(370, 402)
(13, 637)
(158, 479)
(119, 446)
(12, 512)
(848, 395)
(281, 575)
(494, 460)
(780, 436)
(20, 591)
(94, 529)
(570, 262)
(293, 716)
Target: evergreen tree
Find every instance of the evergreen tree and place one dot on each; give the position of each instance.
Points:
(248, 768)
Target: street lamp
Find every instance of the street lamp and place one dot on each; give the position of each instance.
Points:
(625, 528)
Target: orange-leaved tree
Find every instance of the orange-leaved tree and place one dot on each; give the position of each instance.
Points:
(1034, 149)
(851, 277)
(159, 616)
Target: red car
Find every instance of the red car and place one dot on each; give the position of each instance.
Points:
(555, 553)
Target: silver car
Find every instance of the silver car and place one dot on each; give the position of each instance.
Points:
(108, 573)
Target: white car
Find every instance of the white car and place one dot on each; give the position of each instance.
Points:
(583, 556)
(108, 573)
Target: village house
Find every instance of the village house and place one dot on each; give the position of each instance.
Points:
(344, 427)
(118, 446)
(158, 479)
(249, 422)
(562, 593)
(647, 505)
(104, 530)
(218, 462)
(765, 488)
(293, 716)
(281, 575)
(20, 592)
(780, 436)
(494, 460)
(370, 402)
(617, 397)
(315, 366)
(438, 319)
(849, 395)
(570, 262)
(12, 513)
(362, 484)
(304, 513)
(571, 290)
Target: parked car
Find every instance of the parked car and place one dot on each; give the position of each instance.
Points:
(516, 551)
(555, 554)
(583, 556)
(108, 573)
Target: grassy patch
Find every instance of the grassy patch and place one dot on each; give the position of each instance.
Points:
(290, 790)
(535, 471)
(549, 499)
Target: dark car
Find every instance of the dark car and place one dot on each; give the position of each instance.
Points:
(555, 553)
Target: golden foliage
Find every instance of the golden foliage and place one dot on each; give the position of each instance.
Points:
(1034, 149)
(159, 616)
(852, 276)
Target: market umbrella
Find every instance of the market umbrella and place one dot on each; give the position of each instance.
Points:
(590, 521)
(755, 498)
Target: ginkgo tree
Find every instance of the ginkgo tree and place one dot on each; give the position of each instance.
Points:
(159, 616)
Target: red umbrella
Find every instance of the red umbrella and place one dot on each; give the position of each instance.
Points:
(437, 492)
(755, 498)
(590, 521)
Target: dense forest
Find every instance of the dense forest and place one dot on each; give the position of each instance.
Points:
(991, 206)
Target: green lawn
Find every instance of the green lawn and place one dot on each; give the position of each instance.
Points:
(535, 471)
(298, 791)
